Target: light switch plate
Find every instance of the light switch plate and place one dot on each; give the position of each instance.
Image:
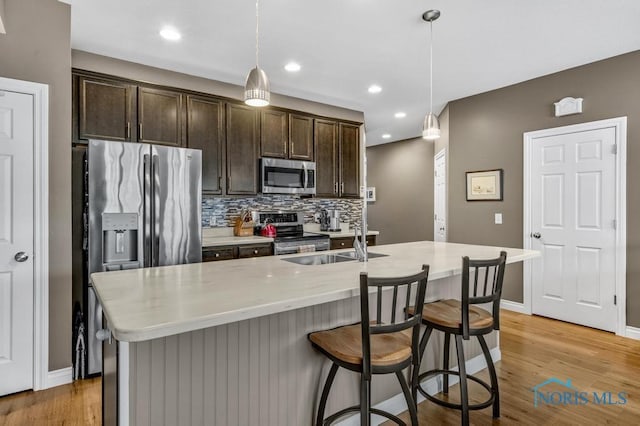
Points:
(498, 218)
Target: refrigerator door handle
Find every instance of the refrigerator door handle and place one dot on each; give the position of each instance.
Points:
(147, 211)
(156, 211)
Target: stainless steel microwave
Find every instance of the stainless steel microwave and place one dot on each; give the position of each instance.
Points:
(287, 176)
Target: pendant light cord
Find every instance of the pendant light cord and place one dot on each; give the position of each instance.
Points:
(431, 67)
(257, 29)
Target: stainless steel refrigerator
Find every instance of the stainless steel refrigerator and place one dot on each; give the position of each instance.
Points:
(144, 210)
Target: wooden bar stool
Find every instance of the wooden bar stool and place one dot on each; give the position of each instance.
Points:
(376, 347)
(463, 319)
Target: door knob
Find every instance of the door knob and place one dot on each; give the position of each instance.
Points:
(21, 256)
(536, 235)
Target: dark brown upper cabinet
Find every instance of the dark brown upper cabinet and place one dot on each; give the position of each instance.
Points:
(205, 131)
(161, 117)
(326, 142)
(300, 137)
(337, 159)
(242, 149)
(273, 133)
(349, 160)
(104, 109)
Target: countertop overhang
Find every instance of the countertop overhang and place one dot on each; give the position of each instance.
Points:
(145, 304)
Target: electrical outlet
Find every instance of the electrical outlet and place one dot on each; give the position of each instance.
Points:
(498, 219)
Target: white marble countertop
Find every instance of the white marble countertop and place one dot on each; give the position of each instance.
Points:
(144, 304)
(212, 237)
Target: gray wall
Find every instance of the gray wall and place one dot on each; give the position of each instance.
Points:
(37, 48)
(402, 173)
(486, 132)
(92, 62)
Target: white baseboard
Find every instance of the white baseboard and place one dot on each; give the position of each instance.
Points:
(632, 333)
(59, 377)
(514, 306)
(397, 404)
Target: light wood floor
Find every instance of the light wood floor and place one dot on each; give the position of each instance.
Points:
(533, 350)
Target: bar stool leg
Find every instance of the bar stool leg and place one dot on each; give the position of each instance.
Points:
(325, 394)
(423, 346)
(445, 363)
(494, 377)
(464, 395)
(365, 401)
(411, 403)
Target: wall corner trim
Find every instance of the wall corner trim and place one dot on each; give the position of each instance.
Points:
(3, 18)
(515, 307)
(59, 377)
(632, 333)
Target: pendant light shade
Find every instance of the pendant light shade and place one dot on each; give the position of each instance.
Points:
(256, 89)
(431, 125)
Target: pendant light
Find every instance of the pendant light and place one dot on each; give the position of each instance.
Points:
(256, 88)
(431, 126)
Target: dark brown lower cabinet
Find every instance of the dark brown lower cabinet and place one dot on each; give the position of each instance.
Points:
(347, 242)
(211, 254)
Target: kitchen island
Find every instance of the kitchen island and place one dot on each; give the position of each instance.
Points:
(225, 342)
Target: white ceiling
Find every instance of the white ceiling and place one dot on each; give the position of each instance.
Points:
(344, 46)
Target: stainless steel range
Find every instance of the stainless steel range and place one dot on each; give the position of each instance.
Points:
(290, 235)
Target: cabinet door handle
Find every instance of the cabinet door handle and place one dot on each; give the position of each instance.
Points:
(217, 254)
(128, 130)
(342, 244)
(219, 182)
(255, 252)
(335, 187)
(140, 131)
(342, 187)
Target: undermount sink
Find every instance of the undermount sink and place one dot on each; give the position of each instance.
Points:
(324, 258)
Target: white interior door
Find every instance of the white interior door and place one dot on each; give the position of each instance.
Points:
(440, 197)
(573, 211)
(16, 241)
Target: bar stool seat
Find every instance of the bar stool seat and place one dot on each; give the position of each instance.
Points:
(345, 344)
(448, 313)
(463, 319)
(387, 345)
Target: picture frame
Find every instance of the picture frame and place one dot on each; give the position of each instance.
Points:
(485, 185)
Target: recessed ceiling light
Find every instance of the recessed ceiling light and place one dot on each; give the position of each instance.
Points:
(386, 136)
(374, 88)
(400, 114)
(170, 33)
(292, 67)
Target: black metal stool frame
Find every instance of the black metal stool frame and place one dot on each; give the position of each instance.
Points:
(464, 333)
(365, 369)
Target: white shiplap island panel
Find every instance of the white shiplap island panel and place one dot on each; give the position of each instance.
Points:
(224, 343)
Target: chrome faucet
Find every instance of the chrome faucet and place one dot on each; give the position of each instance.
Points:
(361, 249)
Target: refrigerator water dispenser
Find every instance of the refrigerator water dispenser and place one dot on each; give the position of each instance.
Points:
(120, 241)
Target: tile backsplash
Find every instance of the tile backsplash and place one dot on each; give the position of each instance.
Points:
(222, 211)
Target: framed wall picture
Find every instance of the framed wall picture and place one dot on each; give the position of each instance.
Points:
(485, 185)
